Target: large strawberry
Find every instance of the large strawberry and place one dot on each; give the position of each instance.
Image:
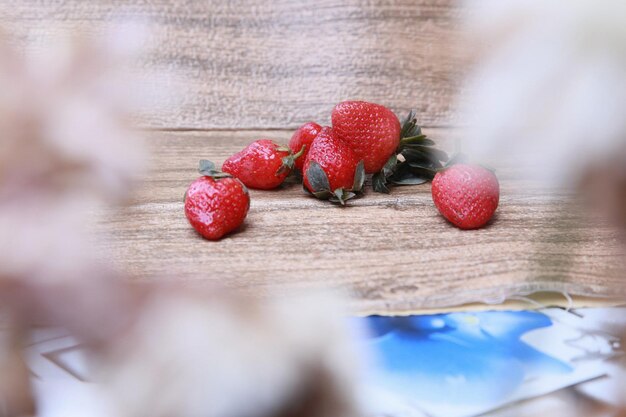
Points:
(466, 195)
(303, 139)
(331, 170)
(263, 164)
(371, 130)
(216, 204)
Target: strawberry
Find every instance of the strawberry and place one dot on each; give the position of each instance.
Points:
(263, 164)
(216, 204)
(331, 170)
(371, 130)
(466, 195)
(303, 137)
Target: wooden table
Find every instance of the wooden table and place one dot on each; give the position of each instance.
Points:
(392, 252)
(242, 70)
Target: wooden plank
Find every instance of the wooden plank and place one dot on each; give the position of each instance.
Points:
(391, 252)
(271, 63)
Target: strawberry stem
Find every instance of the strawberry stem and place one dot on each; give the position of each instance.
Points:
(299, 153)
(289, 161)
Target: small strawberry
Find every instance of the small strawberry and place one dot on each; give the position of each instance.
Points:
(263, 164)
(216, 204)
(303, 137)
(331, 170)
(371, 130)
(466, 195)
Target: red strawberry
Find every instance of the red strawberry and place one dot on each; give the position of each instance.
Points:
(466, 195)
(263, 164)
(331, 170)
(371, 130)
(216, 204)
(303, 137)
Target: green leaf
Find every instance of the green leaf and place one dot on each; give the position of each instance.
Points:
(409, 181)
(428, 165)
(408, 124)
(359, 177)
(406, 170)
(411, 154)
(417, 160)
(318, 180)
(425, 173)
(413, 129)
(406, 176)
(349, 195)
(294, 178)
(412, 139)
(409, 117)
(206, 167)
(428, 150)
(337, 196)
(390, 165)
(437, 154)
(424, 155)
(427, 142)
(322, 195)
(379, 183)
(420, 140)
(341, 196)
(287, 166)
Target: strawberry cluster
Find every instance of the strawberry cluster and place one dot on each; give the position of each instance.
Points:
(365, 138)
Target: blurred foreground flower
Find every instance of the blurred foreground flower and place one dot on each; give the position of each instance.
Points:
(64, 147)
(547, 95)
(226, 355)
(546, 100)
(549, 88)
(154, 349)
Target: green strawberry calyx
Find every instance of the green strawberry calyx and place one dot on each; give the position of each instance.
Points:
(415, 161)
(207, 169)
(289, 161)
(318, 180)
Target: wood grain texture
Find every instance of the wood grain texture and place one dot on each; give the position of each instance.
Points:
(250, 66)
(391, 252)
(271, 63)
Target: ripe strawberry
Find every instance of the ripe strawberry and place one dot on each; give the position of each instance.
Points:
(263, 164)
(371, 130)
(216, 203)
(466, 195)
(303, 137)
(331, 170)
